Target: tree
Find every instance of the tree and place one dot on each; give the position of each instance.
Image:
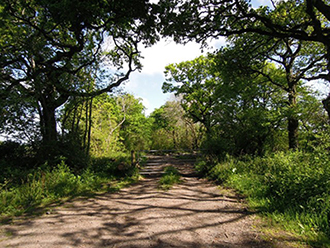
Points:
(240, 108)
(172, 129)
(314, 128)
(160, 139)
(49, 50)
(76, 123)
(135, 130)
(118, 124)
(195, 82)
(295, 60)
(108, 116)
(199, 20)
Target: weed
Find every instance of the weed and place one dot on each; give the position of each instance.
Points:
(292, 188)
(170, 177)
(45, 185)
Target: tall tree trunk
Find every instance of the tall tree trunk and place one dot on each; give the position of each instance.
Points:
(175, 143)
(326, 101)
(86, 125)
(49, 133)
(89, 126)
(293, 123)
(326, 105)
(48, 124)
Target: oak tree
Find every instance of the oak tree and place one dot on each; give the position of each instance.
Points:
(49, 49)
(305, 20)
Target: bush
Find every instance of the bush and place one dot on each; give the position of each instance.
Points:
(119, 164)
(16, 161)
(170, 177)
(295, 185)
(45, 185)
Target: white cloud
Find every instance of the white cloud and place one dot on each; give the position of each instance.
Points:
(148, 83)
(131, 85)
(146, 104)
(167, 52)
(140, 83)
(258, 3)
(164, 53)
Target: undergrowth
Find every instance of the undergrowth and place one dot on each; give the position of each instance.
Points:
(45, 185)
(170, 177)
(291, 188)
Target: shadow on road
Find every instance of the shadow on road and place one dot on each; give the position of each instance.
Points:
(192, 214)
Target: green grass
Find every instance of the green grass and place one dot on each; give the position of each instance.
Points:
(170, 177)
(292, 189)
(44, 186)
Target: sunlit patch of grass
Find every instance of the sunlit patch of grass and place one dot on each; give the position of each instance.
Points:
(170, 177)
(44, 187)
(275, 233)
(292, 189)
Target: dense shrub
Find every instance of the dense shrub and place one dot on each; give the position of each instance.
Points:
(119, 164)
(43, 186)
(16, 161)
(47, 184)
(295, 185)
(170, 177)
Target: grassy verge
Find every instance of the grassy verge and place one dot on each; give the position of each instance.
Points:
(170, 177)
(44, 186)
(290, 189)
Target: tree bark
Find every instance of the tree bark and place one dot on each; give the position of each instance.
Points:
(49, 133)
(89, 126)
(48, 124)
(326, 105)
(293, 123)
(293, 132)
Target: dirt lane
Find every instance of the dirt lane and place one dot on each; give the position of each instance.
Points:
(192, 214)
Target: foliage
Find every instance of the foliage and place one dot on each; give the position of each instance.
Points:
(52, 51)
(161, 138)
(15, 161)
(172, 129)
(170, 177)
(292, 60)
(195, 82)
(106, 121)
(291, 186)
(42, 186)
(135, 131)
(16, 158)
(242, 100)
(117, 124)
(301, 20)
(27, 182)
(239, 114)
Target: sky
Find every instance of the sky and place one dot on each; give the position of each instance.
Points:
(147, 84)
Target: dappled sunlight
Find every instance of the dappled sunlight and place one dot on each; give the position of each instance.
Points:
(192, 214)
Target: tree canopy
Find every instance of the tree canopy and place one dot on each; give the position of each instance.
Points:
(305, 20)
(57, 57)
(54, 50)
